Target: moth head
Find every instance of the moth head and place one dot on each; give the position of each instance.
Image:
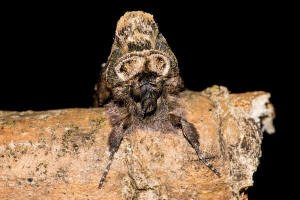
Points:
(141, 65)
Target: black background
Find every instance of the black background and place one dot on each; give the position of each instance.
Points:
(51, 56)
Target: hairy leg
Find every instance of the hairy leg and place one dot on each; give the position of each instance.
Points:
(191, 134)
(111, 157)
(114, 140)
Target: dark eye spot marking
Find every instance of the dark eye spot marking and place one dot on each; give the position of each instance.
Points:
(160, 62)
(159, 59)
(129, 62)
(123, 69)
(126, 67)
(148, 32)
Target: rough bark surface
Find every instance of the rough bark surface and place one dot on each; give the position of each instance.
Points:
(61, 154)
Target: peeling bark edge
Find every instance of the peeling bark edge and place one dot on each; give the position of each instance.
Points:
(262, 111)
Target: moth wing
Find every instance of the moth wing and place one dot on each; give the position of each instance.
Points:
(102, 92)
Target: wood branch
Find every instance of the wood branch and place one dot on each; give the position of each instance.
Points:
(61, 154)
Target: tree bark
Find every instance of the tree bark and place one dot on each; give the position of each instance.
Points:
(61, 154)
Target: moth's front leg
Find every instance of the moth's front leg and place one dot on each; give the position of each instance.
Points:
(114, 141)
(191, 134)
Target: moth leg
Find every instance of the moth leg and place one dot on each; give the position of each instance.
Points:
(111, 157)
(191, 134)
(114, 140)
(206, 158)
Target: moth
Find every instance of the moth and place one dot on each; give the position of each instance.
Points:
(140, 85)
